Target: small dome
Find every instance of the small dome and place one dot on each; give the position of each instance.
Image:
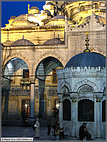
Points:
(13, 17)
(49, 3)
(53, 41)
(47, 11)
(22, 42)
(87, 59)
(34, 7)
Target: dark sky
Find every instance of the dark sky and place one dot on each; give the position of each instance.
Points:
(16, 8)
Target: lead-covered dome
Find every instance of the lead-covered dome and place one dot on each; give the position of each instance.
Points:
(22, 42)
(53, 41)
(87, 59)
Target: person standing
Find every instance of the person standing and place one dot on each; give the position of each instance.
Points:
(37, 128)
(57, 131)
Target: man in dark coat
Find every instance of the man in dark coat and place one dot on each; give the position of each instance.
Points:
(83, 132)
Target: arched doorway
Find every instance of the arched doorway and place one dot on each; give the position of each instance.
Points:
(15, 85)
(47, 85)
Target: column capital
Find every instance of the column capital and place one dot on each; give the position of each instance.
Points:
(98, 99)
(74, 99)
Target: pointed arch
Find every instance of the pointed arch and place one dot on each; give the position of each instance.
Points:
(83, 82)
(47, 54)
(64, 84)
(18, 56)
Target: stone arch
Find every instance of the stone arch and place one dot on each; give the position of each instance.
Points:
(43, 56)
(102, 87)
(18, 56)
(95, 5)
(83, 82)
(85, 88)
(64, 84)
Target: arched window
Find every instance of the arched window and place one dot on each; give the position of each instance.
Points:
(66, 110)
(82, 8)
(85, 110)
(95, 5)
(104, 111)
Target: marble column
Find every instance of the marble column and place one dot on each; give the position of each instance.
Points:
(61, 113)
(41, 81)
(98, 111)
(42, 110)
(74, 116)
(32, 99)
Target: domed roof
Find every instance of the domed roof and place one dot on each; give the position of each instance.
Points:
(47, 11)
(34, 7)
(49, 3)
(22, 42)
(13, 17)
(53, 41)
(86, 59)
(21, 18)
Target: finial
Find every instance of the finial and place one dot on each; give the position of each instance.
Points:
(23, 36)
(87, 43)
(28, 7)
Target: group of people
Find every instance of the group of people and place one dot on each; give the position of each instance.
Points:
(58, 132)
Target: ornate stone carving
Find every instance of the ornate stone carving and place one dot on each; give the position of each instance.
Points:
(98, 99)
(74, 99)
(85, 89)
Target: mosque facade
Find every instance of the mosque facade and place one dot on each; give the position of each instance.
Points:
(36, 45)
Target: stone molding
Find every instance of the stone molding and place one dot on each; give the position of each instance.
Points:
(92, 25)
(85, 82)
(18, 55)
(102, 87)
(64, 84)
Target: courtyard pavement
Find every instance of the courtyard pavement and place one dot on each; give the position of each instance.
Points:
(21, 131)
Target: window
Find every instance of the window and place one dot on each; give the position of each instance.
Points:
(66, 110)
(54, 76)
(82, 8)
(25, 73)
(104, 111)
(95, 5)
(85, 110)
(26, 106)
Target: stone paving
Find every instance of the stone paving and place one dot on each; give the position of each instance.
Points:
(21, 131)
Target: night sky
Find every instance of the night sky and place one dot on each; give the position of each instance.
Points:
(16, 8)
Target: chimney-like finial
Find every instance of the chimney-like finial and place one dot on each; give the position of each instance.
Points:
(28, 8)
(23, 36)
(87, 43)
